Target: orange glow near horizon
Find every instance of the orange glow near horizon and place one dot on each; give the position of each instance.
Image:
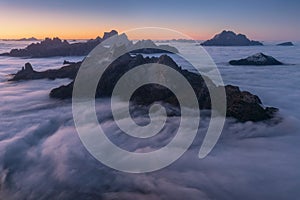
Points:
(19, 23)
(24, 23)
(201, 21)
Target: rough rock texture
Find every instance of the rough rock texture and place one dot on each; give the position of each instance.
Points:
(241, 105)
(229, 38)
(286, 44)
(256, 59)
(245, 106)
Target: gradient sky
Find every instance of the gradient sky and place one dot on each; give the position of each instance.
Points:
(200, 19)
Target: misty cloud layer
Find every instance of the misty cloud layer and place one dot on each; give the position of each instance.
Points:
(42, 157)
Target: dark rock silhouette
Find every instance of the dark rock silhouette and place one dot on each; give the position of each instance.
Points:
(241, 105)
(27, 73)
(22, 39)
(57, 47)
(286, 44)
(109, 34)
(256, 59)
(229, 38)
(152, 47)
(66, 62)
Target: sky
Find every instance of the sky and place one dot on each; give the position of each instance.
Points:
(199, 19)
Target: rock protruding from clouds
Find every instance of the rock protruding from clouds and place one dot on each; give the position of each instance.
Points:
(229, 38)
(256, 59)
(22, 39)
(241, 105)
(107, 35)
(152, 47)
(27, 72)
(57, 47)
(286, 44)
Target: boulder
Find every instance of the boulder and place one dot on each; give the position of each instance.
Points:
(229, 38)
(256, 59)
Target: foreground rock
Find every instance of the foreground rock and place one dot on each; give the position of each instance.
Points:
(57, 47)
(286, 44)
(241, 105)
(229, 38)
(256, 59)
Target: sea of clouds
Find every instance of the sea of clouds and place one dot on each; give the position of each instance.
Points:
(42, 157)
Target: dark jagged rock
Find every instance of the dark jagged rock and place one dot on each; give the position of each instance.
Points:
(109, 34)
(62, 92)
(241, 102)
(66, 62)
(229, 38)
(57, 47)
(286, 44)
(27, 73)
(241, 105)
(256, 59)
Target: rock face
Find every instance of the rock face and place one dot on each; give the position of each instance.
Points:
(241, 105)
(229, 38)
(286, 44)
(57, 47)
(256, 59)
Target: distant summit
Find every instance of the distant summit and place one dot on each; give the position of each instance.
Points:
(286, 44)
(32, 39)
(229, 38)
(256, 59)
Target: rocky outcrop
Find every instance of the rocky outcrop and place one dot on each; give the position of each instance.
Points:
(245, 106)
(27, 73)
(229, 38)
(107, 35)
(57, 47)
(286, 44)
(256, 59)
(241, 105)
